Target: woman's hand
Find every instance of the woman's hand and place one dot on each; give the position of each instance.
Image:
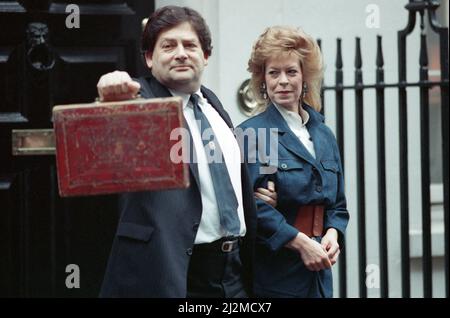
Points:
(330, 244)
(267, 195)
(314, 256)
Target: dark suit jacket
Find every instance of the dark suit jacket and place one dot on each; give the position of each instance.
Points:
(300, 179)
(155, 235)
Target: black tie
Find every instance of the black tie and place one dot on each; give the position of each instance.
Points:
(225, 196)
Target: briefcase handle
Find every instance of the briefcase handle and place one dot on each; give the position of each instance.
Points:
(138, 96)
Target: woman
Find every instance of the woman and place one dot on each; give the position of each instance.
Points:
(300, 239)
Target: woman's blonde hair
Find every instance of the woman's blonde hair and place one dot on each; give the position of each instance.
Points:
(283, 41)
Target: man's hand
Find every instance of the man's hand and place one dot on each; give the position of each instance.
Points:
(117, 86)
(267, 195)
(330, 244)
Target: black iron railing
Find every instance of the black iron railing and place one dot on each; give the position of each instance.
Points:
(414, 7)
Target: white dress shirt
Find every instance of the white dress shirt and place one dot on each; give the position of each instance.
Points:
(210, 229)
(297, 124)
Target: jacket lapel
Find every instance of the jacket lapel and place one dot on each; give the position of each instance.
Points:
(215, 102)
(286, 137)
(192, 163)
(317, 133)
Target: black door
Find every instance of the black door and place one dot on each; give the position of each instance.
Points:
(48, 58)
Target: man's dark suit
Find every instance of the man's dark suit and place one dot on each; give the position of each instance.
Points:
(155, 235)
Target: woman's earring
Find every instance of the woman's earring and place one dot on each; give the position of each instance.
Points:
(304, 90)
(263, 90)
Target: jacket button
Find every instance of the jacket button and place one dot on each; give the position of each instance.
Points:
(189, 251)
(283, 166)
(195, 227)
(319, 189)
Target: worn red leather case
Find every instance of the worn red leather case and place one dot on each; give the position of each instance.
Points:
(118, 146)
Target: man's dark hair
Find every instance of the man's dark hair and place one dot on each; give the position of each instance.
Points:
(170, 16)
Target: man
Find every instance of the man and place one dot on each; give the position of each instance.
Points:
(182, 243)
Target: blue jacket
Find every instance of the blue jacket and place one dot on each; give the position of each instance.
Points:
(300, 179)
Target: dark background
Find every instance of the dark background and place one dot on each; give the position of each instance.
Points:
(40, 232)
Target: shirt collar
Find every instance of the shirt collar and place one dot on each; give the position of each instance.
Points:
(185, 97)
(293, 117)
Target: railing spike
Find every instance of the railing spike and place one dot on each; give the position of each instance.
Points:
(423, 60)
(339, 63)
(380, 60)
(358, 58)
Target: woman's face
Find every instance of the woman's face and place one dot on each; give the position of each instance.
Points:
(284, 81)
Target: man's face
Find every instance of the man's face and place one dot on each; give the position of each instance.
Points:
(178, 60)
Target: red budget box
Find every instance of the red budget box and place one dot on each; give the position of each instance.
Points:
(118, 146)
